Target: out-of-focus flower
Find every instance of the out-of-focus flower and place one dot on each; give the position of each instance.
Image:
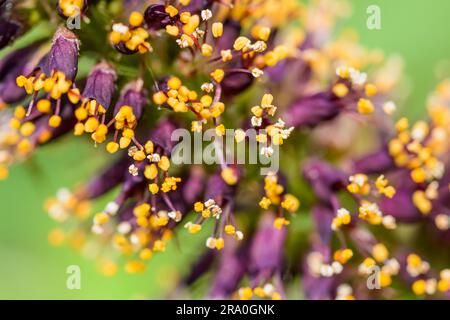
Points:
(95, 101)
(18, 62)
(220, 65)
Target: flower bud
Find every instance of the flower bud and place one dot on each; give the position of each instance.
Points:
(324, 179)
(63, 55)
(266, 250)
(11, 66)
(157, 18)
(100, 84)
(312, 110)
(133, 95)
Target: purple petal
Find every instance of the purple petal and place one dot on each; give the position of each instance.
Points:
(100, 84)
(63, 55)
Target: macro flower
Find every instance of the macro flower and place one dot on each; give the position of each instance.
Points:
(310, 217)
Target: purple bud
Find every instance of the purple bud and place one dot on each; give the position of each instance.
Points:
(157, 18)
(374, 163)
(106, 180)
(8, 31)
(236, 82)
(100, 84)
(401, 206)
(161, 135)
(217, 189)
(266, 251)
(323, 217)
(122, 48)
(231, 30)
(324, 179)
(11, 66)
(319, 288)
(133, 95)
(63, 55)
(161, 85)
(199, 268)
(311, 111)
(194, 185)
(298, 70)
(232, 267)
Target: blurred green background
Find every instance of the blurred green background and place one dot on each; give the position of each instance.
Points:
(30, 268)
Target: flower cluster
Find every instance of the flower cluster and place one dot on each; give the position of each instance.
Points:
(235, 65)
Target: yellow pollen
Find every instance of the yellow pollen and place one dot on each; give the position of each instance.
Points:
(280, 222)
(164, 163)
(245, 293)
(139, 155)
(220, 243)
(134, 266)
(419, 287)
(340, 90)
(229, 176)
(136, 19)
(91, 124)
(153, 188)
(241, 43)
(145, 254)
(198, 207)
(380, 252)
(151, 171)
(217, 29)
(365, 106)
(124, 142)
(265, 203)
(172, 11)
(56, 237)
(206, 50)
(112, 147)
(172, 30)
(230, 229)
(174, 83)
(194, 228)
(27, 129)
(44, 106)
(370, 90)
(218, 75)
(54, 121)
(101, 218)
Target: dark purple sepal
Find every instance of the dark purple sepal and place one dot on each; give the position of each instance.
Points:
(311, 111)
(133, 95)
(63, 55)
(100, 84)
